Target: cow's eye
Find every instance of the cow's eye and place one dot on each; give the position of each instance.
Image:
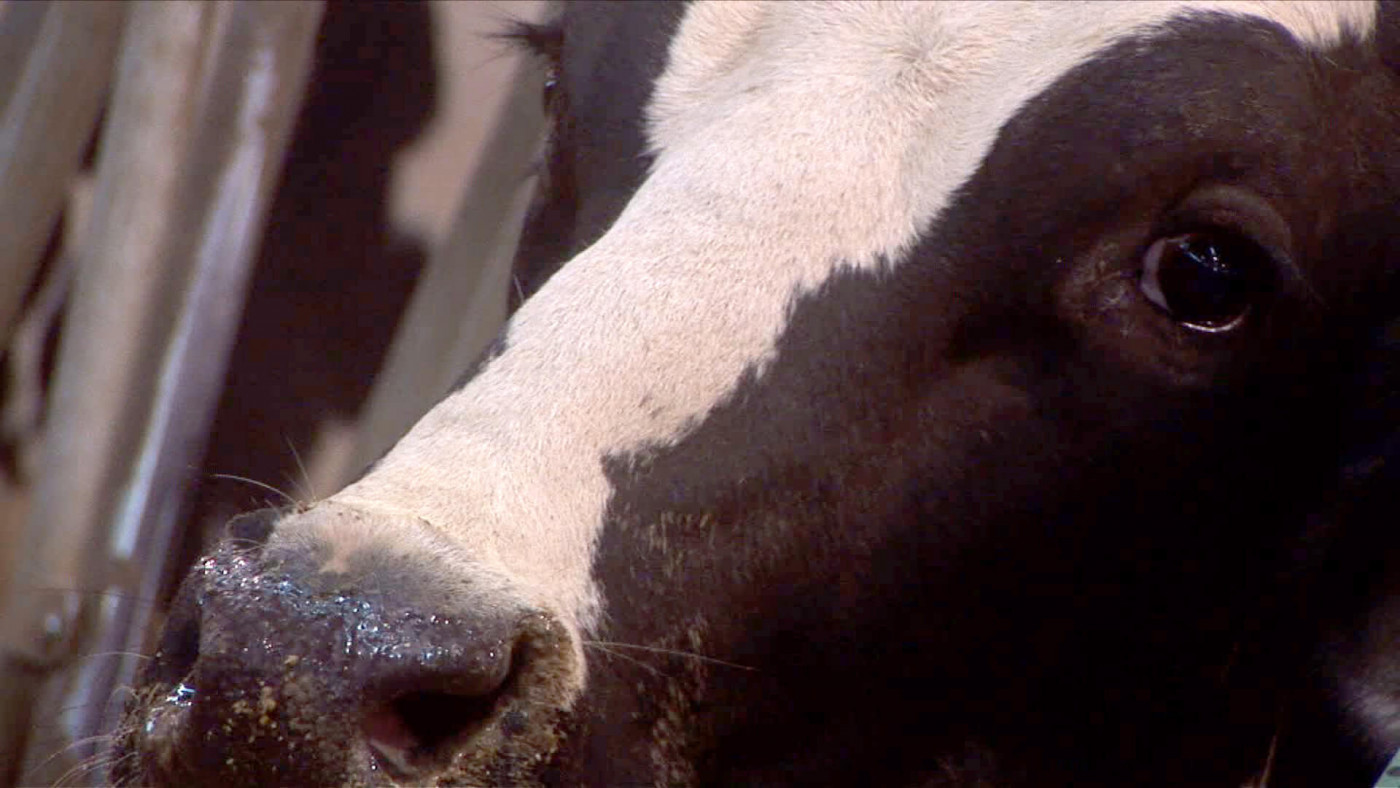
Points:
(550, 92)
(1205, 280)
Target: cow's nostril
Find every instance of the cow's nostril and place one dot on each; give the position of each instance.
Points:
(423, 726)
(434, 718)
(420, 728)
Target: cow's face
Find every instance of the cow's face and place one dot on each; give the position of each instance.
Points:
(932, 392)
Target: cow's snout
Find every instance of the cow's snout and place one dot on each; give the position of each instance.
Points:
(303, 661)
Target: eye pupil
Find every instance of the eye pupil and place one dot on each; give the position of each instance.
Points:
(1204, 280)
(1203, 286)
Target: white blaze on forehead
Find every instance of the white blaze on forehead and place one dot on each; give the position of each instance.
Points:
(790, 139)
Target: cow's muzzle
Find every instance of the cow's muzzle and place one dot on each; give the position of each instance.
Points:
(275, 670)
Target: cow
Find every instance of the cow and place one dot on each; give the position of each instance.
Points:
(903, 394)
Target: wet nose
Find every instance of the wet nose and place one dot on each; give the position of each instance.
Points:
(278, 671)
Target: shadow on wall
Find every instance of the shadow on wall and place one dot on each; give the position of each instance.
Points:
(332, 277)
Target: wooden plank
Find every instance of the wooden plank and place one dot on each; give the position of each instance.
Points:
(50, 106)
(205, 101)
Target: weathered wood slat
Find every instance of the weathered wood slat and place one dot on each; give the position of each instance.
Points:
(48, 107)
(205, 99)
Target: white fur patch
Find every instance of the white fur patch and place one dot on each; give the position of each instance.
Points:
(790, 138)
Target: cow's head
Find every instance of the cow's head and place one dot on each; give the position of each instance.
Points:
(925, 393)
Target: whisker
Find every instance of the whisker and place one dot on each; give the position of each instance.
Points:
(69, 747)
(77, 770)
(233, 477)
(118, 760)
(649, 668)
(120, 689)
(101, 654)
(249, 545)
(308, 488)
(120, 694)
(84, 767)
(672, 652)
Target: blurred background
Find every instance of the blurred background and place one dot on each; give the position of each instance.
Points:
(242, 247)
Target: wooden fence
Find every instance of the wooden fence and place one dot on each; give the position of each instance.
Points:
(158, 160)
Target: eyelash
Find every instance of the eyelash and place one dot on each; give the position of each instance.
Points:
(545, 42)
(552, 99)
